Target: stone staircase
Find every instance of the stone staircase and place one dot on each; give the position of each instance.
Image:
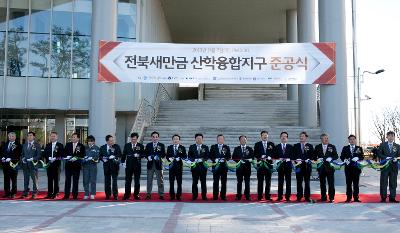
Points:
(231, 110)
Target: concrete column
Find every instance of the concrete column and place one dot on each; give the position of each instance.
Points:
(102, 105)
(291, 36)
(60, 127)
(334, 102)
(306, 33)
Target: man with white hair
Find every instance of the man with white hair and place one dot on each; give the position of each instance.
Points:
(11, 154)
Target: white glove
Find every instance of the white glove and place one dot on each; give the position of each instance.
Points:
(217, 160)
(199, 160)
(250, 160)
(209, 161)
(50, 159)
(287, 160)
(73, 159)
(307, 160)
(320, 159)
(123, 165)
(136, 155)
(68, 157)
(30, 160)
(111, 157)
(90, 158)
(149, 158)
(388, 158)
(299, 161)
(269, 158)
(394, 160)
(347, 161)
(8, 160)
(3, 159)
(105, 160)
(171, 159)
(242, 161)
(231, 161)
(221, 160)
(156, 157)
(355, 159)
(178, 159)
(329, 159)
(263, 156)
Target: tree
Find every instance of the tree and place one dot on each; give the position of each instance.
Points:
(16, 52)
(389, 120)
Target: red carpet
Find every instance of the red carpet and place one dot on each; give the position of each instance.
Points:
(187, 197)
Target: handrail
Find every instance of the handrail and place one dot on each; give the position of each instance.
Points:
(147, 112)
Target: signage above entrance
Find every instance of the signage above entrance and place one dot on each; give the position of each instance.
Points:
(289, 63)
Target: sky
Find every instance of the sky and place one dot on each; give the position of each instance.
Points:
(378, 32)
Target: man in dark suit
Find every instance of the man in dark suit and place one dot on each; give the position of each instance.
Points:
(389, 151)
(263, 152)
(220, 153)
(326, 152)
(131, 160)
(351, 154)
(284, 152)
(155, 152)
(11, 153)
(110, 154)
(53, 153)
(175, 154)
(74, 152)
(244, 155)
(198, 153)
(30, 156)
(303, 154)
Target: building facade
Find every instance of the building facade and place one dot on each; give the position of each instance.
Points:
(48, 58)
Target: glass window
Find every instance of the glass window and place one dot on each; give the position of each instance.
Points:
(61, 39)
(81, 57)
(126, 19)
(17, 53)
(61, 55)
(19, 15)
(3, 15)
(40, 18)
(39, 56)
(62, 15)
(83, 17)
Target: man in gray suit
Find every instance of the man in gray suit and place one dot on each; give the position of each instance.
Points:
(389, 151)
(30, 156)
(90, 168)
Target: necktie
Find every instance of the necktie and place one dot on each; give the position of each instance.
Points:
(175, 149)
(30, 145)
(390, 147)
(324, 149)
(73, 147)
(109, 151)
(52, 150)
(9, 146)
(243, 148)
(198, 149)
(352, 150)
(284, 148)
(220, 149)
(133, 147)
(265, 147)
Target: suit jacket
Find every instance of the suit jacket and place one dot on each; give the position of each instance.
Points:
(308, 152)
(384, 151)
(158, 151)
(114, 150)
(193, 153)
(346, 154)
(58, 153)
(330, 152)
(79, 152)
(225, 152)
(280, 154)
(238, 155)
(33, 152)
(180, 153)
(259, 149)
(128, 154)
(14, 153)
